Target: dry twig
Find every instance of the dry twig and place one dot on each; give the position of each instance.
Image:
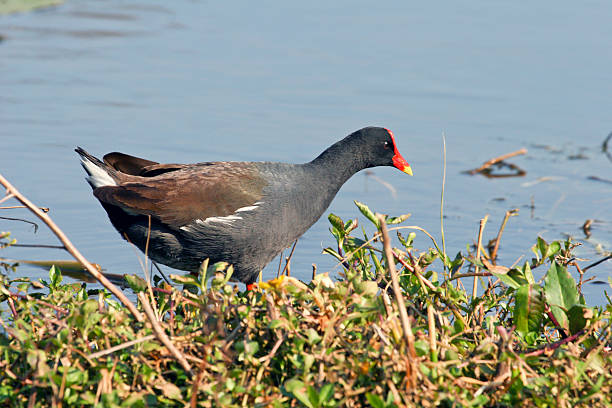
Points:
(491, 162)
(121, 346)
(509, 213)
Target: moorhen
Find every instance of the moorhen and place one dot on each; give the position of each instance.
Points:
(244, 213)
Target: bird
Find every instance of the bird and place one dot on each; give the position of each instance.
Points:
(243, 213)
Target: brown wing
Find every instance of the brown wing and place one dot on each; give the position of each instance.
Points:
(127, 164)
(135, 166)
(189, 193)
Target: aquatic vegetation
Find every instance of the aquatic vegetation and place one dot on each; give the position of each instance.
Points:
(344, 342)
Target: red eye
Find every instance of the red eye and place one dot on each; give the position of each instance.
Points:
(387, 145)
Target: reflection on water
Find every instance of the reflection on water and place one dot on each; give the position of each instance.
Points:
(192, 81)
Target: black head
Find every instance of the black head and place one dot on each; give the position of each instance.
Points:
(378, 148)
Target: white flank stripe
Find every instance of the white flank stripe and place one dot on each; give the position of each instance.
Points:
(223, 220)
(249, 208)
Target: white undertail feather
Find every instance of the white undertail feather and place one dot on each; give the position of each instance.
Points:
(97, 177)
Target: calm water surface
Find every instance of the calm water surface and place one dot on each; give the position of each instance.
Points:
(194, 81)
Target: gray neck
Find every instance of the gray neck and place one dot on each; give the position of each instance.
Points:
(337, 164)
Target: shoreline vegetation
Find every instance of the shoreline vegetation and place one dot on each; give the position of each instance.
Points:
(386, 334)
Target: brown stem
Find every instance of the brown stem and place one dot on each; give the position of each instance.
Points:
(422, 279)
(554, 320)
(483, 222)
(399, 298)
(509, 213)
(554, 345)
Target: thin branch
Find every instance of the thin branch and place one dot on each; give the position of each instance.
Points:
(39, 246)
(72, 249)
(161, 272)
(483, 222)
(11, 207)
(597, 263)
(22, 220)
(442, 198)
(286, 268)
(399, 298)
(121, 346)
(8, 196)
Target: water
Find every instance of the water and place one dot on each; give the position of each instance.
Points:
(196, 81)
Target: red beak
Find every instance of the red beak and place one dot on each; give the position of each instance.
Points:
(401, 163)
(398, 160)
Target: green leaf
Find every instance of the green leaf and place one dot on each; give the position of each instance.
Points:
(276, 323)
(354, 243)
(351, 225)
(375, 401)
(578, 316)
(365, 210)
(528, 309)
(397, 220)
(55, 276)
(313, 336)
(541, 245)
(553, 249)
(546, 250)
(247, 347)
(561, 292)
(298, 389)
(407, 242)
(457, 263)
(327, 391)
(184, 279)
(528, 274)
(136, 283)
(512, 278)
(336, 222)
(313, 396)
(421, 347)
(333, 253)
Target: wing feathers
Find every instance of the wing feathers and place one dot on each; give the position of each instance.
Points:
(190, 193)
